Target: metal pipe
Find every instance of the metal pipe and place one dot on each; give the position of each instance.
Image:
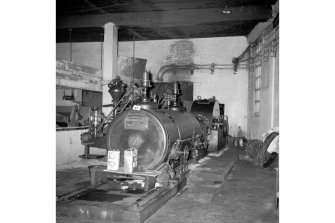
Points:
(192, 67)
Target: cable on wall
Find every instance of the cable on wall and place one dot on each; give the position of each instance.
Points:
(101, 55)
(132, 77)
(70, 33)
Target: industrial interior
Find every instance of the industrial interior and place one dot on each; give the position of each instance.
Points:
(167, 111)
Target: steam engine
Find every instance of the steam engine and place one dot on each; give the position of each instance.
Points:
(167, 137)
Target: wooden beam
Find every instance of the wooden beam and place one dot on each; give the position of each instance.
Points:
(71, 7)
(185, 17)
(94, 6)
(79, 84)
(125, 33)
(90, 34)
(235, 28)
(139, 36)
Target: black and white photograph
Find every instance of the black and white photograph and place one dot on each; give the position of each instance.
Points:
(167, 111)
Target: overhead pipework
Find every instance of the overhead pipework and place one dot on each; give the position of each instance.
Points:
(173, 68)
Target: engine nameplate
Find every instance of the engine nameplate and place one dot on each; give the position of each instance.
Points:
(136, 122)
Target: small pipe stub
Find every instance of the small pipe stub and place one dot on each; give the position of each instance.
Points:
(212, 68)
(146, 79)
(176, 90)
(235, 63)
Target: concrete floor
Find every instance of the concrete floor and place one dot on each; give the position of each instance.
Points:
(247, 194)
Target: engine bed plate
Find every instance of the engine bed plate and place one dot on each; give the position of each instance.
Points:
(135, 208)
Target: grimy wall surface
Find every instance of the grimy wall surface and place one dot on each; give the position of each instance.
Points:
(88, 53)
(268, 116)
(228, 88)
(269, 101)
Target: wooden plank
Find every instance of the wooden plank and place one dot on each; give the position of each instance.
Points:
(135, 173)
(173, 188)
(149, 183)
(80, 84)
(72, 203)
(151, 207)
(97, 213)
(183, 17)
(97, 177)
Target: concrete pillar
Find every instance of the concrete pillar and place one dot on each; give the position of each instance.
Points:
(109, 60)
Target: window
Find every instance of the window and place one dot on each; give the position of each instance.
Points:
(257, 90)
(258, 78)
